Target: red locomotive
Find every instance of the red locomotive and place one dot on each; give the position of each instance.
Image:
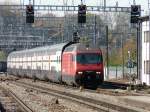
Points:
(70, 63)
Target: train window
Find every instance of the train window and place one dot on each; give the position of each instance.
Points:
(38, 68)
(28, 67)
(53, 69)
(89, 58)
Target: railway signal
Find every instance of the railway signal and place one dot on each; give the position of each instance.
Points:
(81, 13)
(135, 13)
(29, 14)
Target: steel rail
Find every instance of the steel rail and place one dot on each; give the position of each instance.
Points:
(22, 105)
(99, 105)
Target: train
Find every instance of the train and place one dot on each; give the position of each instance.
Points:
(69, 63)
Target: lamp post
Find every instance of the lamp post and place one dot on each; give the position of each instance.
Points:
(129, 60)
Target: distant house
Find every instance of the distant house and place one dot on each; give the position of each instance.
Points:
(145, 73)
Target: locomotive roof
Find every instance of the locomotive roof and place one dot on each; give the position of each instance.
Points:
(81, 47)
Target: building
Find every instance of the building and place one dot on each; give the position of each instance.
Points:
(145, 73)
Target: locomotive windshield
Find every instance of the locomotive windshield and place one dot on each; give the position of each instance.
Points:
(89, 58)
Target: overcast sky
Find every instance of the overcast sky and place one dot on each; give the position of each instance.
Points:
(123, 3)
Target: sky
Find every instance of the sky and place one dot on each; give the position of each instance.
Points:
(122, 3)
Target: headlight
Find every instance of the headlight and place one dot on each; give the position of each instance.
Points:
(80, 72)
(98, 72)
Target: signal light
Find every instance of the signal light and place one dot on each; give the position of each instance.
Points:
(135, 13)
(81, 13)
(29, 14)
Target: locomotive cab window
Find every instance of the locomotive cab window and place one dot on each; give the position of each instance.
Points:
(89, 58)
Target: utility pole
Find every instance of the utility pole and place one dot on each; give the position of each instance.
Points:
(95, 44)
(107, 54)
(149, 29)
(129, 60)
(61, 35)
(139, 43)
(122, 47)
(137, 47)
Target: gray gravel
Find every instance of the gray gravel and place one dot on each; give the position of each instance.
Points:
(41, 102)
(108, 98)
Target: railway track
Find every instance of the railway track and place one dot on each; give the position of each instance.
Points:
(99, 105)
(106, 88)
(113, 85)
(22, 106)
(112, 88)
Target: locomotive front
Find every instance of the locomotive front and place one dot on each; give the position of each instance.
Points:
(89, 68)
(82, 66)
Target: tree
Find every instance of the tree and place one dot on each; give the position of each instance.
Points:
(2, 56)
(130, 45)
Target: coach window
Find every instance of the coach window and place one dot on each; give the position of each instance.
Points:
(38, 68)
